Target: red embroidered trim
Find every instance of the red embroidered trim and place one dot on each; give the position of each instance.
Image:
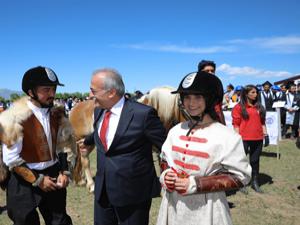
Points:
(190, 152)
(186, 166)
(193, 139)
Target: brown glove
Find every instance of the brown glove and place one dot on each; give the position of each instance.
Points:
(26, 173)
(215, 183)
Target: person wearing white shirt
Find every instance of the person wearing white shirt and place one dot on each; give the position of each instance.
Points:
(33, 152)
(205, 158)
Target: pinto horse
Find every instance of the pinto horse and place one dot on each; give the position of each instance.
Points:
(82, 118)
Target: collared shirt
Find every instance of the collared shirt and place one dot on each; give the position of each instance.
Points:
(12, 155)
(113, 121)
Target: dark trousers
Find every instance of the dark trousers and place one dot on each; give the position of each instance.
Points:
(107, 214)
(294, 130)
(254, 148)
(23, 199)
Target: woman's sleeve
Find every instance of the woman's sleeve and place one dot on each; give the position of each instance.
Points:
(234, 159)
(236, 116)
(166, 159)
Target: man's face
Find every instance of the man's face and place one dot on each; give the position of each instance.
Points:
(228, 88)
(292, 89)
(283, 88)
(209, 69)
(97, 90)
(266, 87)
(45, 94)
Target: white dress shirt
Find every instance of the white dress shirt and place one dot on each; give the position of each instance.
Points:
(12, 155)
(113, 121)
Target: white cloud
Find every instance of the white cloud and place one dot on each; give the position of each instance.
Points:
(179, 48)
(281, 44)
(278, 44)
(249, 71)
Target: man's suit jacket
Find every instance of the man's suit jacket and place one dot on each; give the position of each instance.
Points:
(127, 167)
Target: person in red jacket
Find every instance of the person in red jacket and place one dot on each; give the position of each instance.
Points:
(248, 119)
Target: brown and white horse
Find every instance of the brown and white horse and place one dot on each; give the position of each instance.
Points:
(81, 118)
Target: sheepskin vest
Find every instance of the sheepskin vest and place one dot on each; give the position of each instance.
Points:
(35, 146)
(18, 123)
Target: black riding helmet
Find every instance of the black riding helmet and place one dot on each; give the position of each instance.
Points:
(202, 83)
(205, 84)
(39, 76)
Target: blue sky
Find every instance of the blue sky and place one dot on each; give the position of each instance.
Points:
(151, 43)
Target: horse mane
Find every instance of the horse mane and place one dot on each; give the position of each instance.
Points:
(165, 103)
(82, 117)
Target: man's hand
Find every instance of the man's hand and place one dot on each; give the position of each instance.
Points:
(84, 149)
(62, 181)
(48, 184)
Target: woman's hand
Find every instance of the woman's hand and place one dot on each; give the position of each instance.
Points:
(182, 184)
(170, 178)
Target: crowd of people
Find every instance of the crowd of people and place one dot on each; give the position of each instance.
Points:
(201, 158)
(288, 94)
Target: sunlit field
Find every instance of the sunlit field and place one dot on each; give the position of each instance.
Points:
(279, 205)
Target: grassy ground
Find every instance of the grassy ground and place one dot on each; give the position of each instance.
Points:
(279, 205)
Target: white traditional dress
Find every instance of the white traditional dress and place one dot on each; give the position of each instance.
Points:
(208, 151)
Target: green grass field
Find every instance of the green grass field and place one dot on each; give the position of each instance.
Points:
(279, 205)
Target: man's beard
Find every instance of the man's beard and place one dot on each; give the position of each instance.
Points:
(49, 105)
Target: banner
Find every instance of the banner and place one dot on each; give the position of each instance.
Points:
(273, 127)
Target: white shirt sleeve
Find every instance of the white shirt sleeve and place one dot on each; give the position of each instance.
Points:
(235, 160)
(12, 155)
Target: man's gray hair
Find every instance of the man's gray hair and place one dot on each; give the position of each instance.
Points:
(113, 80)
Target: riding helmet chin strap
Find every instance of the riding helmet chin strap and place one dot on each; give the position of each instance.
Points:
(185, 113)
(198, 119)
(187, 116)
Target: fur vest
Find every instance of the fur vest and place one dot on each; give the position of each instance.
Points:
(11, 128)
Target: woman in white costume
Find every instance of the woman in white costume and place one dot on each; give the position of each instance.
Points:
(203, 159)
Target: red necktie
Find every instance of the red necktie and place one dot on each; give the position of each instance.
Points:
(103, 129)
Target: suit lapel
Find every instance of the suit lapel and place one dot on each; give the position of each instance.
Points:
(97, 115)
(125, 119)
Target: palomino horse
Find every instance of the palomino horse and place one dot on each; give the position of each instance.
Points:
(81, 118)
(166, 104)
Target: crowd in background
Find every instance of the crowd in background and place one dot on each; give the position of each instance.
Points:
(287, 94)
(269, 93)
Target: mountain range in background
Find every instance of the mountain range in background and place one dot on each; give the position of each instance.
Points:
(5, 93)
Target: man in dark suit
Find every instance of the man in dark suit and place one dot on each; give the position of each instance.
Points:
(124, 132)
(266, 96)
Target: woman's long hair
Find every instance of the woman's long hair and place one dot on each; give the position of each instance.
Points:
(244, 101)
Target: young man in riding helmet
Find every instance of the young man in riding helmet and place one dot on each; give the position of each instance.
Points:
(33, 136)
(204, 159)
